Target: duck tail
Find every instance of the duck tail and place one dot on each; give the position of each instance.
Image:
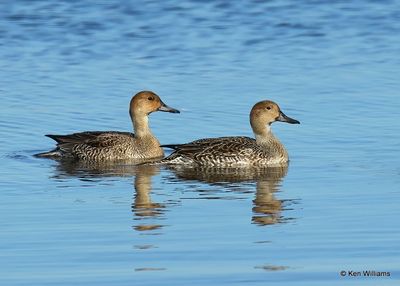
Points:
(171, 146)
(58, 138)
(55, 153)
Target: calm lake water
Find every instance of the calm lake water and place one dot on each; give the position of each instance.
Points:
(69, 66)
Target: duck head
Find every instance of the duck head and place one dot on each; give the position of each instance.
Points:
(264, 113)
(145, 102)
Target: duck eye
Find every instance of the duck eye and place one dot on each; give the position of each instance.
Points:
(268, 107)
(150, 98)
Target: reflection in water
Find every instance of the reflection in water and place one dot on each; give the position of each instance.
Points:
(271, 267)
(86, 170)
(150, 269)
(266, 208)
(143, 208)
(148, 214)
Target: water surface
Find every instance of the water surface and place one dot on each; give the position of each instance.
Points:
(69, 66)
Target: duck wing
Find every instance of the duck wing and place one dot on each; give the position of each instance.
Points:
(71, 143)
(213, 148)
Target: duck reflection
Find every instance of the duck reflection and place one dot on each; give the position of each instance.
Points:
(145, 211)
(267, 209)
(143, 207)
(87, 170)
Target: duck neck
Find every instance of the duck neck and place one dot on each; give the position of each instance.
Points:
(261, 131)
(270, 143)
(264, 135)
(141, 125)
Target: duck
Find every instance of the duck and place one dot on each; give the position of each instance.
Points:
(239, 151)
(100, 146)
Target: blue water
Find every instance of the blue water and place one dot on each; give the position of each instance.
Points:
(69, 66)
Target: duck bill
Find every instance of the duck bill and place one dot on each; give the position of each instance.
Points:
(166, 108)
(282, 117)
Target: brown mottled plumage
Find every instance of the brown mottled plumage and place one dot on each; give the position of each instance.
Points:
(265, 149)
(114, 145)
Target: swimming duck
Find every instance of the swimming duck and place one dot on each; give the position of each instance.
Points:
(115, 145)
(264, 150)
